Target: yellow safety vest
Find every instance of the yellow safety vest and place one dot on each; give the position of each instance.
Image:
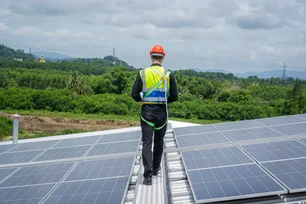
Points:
(150, 77)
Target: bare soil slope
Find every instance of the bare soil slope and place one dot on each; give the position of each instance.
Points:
(55, 125)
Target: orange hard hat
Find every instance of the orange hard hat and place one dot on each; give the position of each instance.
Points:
(157, 50)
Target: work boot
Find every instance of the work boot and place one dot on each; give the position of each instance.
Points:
(155, 171)
(147, 181)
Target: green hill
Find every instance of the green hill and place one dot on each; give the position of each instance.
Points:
(103, 86)
(7, 52)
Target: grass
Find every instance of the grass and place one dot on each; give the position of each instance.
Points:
(25, 134)
(80, 116)
(6, 127)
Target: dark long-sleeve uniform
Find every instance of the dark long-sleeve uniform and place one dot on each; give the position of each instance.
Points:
(157, 114)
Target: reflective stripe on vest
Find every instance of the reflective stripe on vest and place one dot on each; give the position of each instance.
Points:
(149, 79)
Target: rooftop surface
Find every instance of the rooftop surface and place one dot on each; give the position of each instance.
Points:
(253, 161)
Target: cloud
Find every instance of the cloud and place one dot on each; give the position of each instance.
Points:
(31, 31)
(256, 20)
(253, 55)
(62, 8)
(27, 31)
(228, 34)
(3, 27)
(145, 31)
(4, 12)
(270, 50)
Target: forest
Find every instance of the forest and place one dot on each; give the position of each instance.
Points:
(99, 86)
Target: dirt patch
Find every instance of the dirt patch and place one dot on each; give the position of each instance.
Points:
(55, 125)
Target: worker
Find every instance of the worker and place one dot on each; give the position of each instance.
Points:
(154, 87)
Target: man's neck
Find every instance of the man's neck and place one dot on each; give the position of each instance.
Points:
(156, 62)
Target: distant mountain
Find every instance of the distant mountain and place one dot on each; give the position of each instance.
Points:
(265, 74)
(275, 74)
(211, 70)
(53, 56)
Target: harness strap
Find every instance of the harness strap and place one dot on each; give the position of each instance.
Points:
(163, 80)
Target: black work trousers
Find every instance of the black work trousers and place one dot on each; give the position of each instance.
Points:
(152, 160)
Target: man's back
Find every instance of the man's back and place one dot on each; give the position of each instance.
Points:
(138, 86)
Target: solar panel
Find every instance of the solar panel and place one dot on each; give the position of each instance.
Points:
(18, 157)
(24, 194)
(302, 116)
(279, 120)
(292, 129)
(303, 140)
(276, 150)
(4, 148)
(114, 148)
(238, 125)
(94, 169)
(194, 130)
(106, 191)
(77, 141)
(120, 137)
(232, 182)
(201, 139)
(251, 134)
(42, 174)
(292, 173)
(34, 146)
(197, 159)
(63, 153)
(4, 172)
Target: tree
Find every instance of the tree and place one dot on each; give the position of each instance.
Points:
(79, 85)
(297, 96)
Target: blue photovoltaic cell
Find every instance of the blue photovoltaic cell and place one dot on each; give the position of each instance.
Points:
(276, 150)
(34, 146)
(4, 148)
(292, 173)
(232, 182)
(135, 135)
(106, 191)
(18, 157)
(251, 134)
(279, 120)
(42, 174)
(63, 153)
(303, 140)
(25, 194)
(201, 139)
(197, 159)
(238, 125)
(4, 172)
(183, 131)
(114, 148)
(104, 168)
(77, 141)
(292, 129)
(302, 116)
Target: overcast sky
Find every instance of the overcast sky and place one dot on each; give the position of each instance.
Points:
(233, 35)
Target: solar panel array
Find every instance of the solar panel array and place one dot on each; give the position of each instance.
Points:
(68, 173)
(246, 159)
(224, 161)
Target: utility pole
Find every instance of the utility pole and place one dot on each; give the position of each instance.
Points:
(114, 53)
(284, 71)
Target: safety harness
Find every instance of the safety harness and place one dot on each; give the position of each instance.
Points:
(164, 79)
